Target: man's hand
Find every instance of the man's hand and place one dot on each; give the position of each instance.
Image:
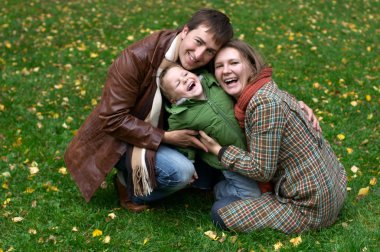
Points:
(184, 138)
(310, 115)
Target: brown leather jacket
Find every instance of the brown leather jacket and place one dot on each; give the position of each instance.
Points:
(127, 96)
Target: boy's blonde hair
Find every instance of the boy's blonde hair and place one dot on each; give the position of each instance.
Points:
(163, 87)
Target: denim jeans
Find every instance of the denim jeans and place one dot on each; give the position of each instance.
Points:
(215, 217)
(238, 185)
(173, 173)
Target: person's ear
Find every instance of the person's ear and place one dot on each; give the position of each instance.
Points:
(184, 31)
(172, 101)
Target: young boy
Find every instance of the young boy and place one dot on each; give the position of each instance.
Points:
(198, 103)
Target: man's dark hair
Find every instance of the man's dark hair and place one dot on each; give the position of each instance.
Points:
(217, 22)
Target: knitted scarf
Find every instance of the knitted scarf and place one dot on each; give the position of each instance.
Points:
(262, 78)
(240, 107)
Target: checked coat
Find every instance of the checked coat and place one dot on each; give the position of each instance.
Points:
(284, 148)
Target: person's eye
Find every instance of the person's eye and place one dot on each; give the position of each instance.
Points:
(198, 42)
(211, 52)
(218, 66)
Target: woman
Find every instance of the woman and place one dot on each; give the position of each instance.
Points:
(283, 148)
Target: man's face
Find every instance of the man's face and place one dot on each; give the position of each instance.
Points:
(197, 47)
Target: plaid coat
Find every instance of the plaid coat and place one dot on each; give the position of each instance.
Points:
(310, 182)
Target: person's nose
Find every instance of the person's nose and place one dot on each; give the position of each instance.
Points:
(226, 69)
(199, 52)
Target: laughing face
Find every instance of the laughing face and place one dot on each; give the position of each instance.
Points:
(197, 47)
(180, 83)
(232, 71)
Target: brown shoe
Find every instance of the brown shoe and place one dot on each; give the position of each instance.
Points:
(125, 202)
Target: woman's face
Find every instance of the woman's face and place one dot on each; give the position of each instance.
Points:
(232, 71)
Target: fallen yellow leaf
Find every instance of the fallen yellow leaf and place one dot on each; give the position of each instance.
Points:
(62, 170)
(32, 231)
(97, 232)
(296, 241)
(373, 181)
(341, 137)
(146, 240)
(107, 239)
(17, 219)
(354, 169)
(363, 191)
(223, 238)
(349, 150)
(112, 215)
(278, 245)
(211, 234)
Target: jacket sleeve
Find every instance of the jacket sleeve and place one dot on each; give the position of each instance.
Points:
(265, 125)
(129, 81)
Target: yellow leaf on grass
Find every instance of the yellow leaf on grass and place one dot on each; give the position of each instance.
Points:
(296, 241)
(278, 245)
(17, 219)
(32, 231)
(146, 240)
(29, 190)
(107, 239)
(373, 181)
(223, 238)
(363, 191)
(211, 234)
(354, 169)
(349, 150)
(94, 55)
(112, 216)
(5, 185)
(62, 170)
(341, 137)
(97, 232)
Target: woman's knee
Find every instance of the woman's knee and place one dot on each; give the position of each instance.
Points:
(215, 216)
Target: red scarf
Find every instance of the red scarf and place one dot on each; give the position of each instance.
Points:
(249, 91)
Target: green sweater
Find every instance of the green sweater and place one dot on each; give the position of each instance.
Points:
(215, 116)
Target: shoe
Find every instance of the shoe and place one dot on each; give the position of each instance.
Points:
(124, 200)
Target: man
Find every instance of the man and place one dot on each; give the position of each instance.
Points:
(126, 129)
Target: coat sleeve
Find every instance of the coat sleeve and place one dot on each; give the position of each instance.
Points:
(265, 123)
(129, 81)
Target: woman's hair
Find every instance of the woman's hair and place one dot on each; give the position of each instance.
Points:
(217, 23)
(254, 59)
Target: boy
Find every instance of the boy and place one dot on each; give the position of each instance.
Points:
(198, 103)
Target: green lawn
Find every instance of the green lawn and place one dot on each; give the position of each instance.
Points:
(54, 57)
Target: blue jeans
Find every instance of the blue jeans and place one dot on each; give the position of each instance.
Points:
(215, 217)
(238, 185)
(173, 173)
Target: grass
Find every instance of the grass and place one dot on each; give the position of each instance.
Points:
(54, 57)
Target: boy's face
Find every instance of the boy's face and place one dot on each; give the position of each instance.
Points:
(197, 47)
(180, 83)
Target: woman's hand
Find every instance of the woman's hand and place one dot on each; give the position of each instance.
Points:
(184, 138)
(212, 145)
(310, 115)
